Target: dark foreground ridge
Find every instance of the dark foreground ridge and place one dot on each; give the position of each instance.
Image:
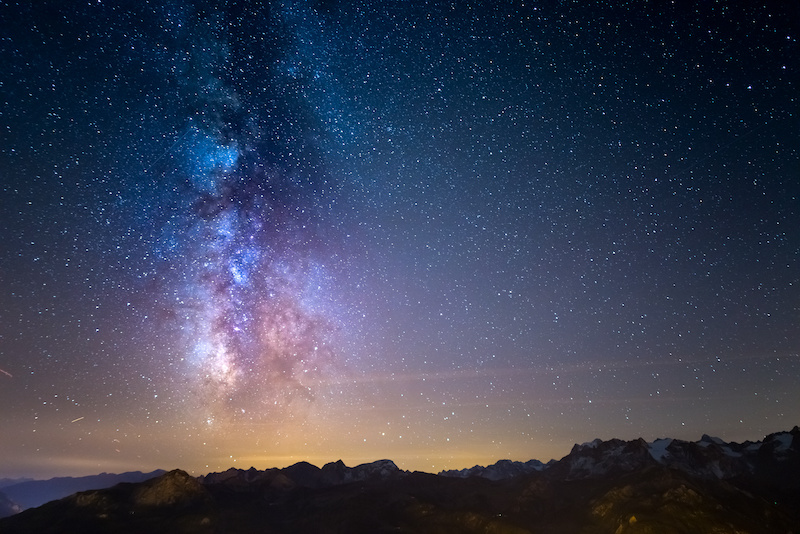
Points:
(615, 486)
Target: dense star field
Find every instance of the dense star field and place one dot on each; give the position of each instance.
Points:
(253, 233)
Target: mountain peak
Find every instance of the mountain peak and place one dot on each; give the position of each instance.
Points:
(710, 439)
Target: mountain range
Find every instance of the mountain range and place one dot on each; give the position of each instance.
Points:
(665, 486)
(27, 493)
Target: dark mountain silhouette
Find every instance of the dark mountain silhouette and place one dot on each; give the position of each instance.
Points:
(304, 474)
(614, 486)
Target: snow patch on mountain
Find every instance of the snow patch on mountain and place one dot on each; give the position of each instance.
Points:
(591, 444)
(709, 457)
(658, 449)
(784, 441)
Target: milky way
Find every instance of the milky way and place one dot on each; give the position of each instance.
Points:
(251, 305)
(254, 233)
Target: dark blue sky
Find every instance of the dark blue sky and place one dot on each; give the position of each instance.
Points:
(435, 232)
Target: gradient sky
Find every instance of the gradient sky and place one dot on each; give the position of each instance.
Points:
(250, 234)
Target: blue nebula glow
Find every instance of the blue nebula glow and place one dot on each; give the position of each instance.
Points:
(210, 161)
(242, 263)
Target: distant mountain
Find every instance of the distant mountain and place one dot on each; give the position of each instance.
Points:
(624, 487)
(709, 458)
(7, 506)
(498, 471)
(4, 482)
(34, 493)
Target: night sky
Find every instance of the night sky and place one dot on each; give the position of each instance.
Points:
(251, 233)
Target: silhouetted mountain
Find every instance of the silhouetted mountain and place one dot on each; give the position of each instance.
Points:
(37, 492)
(667, 486)
(304, 474)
